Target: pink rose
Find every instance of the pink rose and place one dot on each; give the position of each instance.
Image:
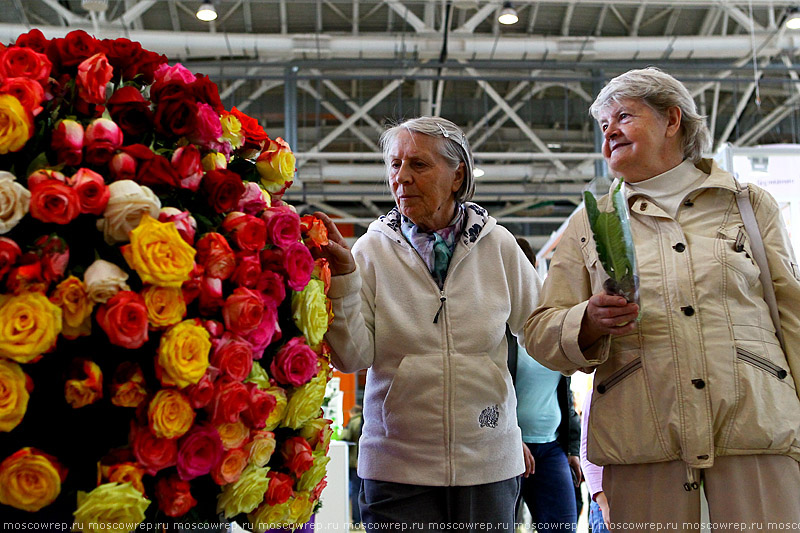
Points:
(44, 174)
(200, 452)
(103, 137)
(208, 128)
(246, 231)
(67, 142)
(244, 310)
(210, 295)
(165, 73)
(252, 201)
(122, 167)
(248, 270)
(183, 220)
(265, 334)
(283, 226)
(92, 191)
(298, 265)
(271, 286)
(233, 356)
(186, 162)
(93, 75)
(201, 393)
(294, 364)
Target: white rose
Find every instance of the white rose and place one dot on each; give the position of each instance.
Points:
(128, 202)
(103, 280)
(14, 201)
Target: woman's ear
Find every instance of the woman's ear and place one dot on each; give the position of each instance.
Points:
(674, 115)
(458, 180)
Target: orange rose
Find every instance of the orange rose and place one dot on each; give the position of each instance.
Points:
(230, 467)
(170, 414)
(233, 434)
(76, 307)
(85, 391)
(165, 305)
(30, 480)
(124, 473)
(13, 394)
(127, 385)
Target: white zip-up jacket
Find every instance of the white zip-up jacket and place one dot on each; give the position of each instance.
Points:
(439, 404)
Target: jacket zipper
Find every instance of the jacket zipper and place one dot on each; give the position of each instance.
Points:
(619, 375)
(761, 363)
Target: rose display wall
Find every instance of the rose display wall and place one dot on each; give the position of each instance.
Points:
(161, 312)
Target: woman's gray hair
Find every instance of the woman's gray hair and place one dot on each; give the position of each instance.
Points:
(659, 91)
(453, 146)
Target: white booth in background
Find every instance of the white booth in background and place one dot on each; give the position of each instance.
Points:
(776, 169)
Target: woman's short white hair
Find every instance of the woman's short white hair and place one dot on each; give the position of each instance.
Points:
(659, 91)
(453, 146)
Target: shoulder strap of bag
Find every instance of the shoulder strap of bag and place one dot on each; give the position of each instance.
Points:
(511, 340)
(760, 255)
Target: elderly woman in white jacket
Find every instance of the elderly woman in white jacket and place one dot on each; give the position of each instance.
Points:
(697, 393)
(423, 302)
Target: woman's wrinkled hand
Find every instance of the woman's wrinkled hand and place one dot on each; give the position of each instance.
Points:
(336, 251)
(606, 315)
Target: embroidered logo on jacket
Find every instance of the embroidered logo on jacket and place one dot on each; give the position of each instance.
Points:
(489, 416)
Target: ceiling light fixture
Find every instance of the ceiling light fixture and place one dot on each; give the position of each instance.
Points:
(98, 6)
(207, 12)
(508, 15)
(478, 172)
(793, 19)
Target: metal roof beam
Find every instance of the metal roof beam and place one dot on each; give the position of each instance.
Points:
(409, 16)
(338, 114)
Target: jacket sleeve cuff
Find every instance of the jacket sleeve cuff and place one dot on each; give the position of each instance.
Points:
(345, 284)
(596, 354)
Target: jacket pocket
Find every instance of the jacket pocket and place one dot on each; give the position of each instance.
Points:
(413, 408)
(761, 363)
(615, 378)
(732, 250)
(484, 407)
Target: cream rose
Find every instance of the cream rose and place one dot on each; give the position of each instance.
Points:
(128, 202)
(103, 280)
(245, 494)
(14, 201)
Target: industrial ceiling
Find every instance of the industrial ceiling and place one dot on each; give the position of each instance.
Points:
(329, 75)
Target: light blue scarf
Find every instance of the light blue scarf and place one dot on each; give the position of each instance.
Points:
(435, 247)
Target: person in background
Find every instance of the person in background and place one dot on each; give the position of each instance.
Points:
(351, 433)
(593, 474)
(551, 437)
(422, 302)
(693, 390)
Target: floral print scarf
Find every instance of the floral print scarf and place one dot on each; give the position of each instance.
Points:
(435, 247)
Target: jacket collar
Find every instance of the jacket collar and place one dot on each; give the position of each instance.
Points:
(477, 223)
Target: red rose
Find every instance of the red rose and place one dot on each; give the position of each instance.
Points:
(34, 39)
(294, 364)
(9, 254)
(261, 405)
(17, 62)
(298, 265)
(248, 270)
(29, 93)
(92, 191)
(75, 47)
(122, 54)
(176, 116)
(243, 311)
(223, 189)
(54, 201)
(124, 319)
(27, 275)
(280, 488)
(53, 255)
(130, 111)
(147, 62)
(271, 286)
(201, 393)
(102, 138)
(255, 136)
(317, 491)
(174, 496)
(214, 254)
(247, 232)
(157, 171)
(297, 455)
(186, 162)
(283, 226)
(230, 399)
(67, 141)
(94, 74)
(153, 453)
(206, 91)
(199, 452)
(233, 356)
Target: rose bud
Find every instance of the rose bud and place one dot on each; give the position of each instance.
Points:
(54, 255)
(67, 142)
(122, 166)
(43, 175)
(214, 161)
(183, 220)
(103, 137)
(186, 161)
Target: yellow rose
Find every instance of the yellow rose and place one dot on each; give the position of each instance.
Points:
(16, 126)
(110, 506)
(159, 254)
(261, 447)
(214, 161)
(233, 434)
(183, 353)
(165, 305)
(270, 517)
(103, 280)
(82, 392)
(13, 395)
(30, 480)
(306, 401)
(276, 165)
(170, 414)
(318, 433)
(314, 475)
(300, 507)
(29, 326)
(14, 201)
(232, 130)
(310, 311)
(76, 307)
(246, 494)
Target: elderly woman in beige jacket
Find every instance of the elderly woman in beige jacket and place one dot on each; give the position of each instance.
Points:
(693, 391)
